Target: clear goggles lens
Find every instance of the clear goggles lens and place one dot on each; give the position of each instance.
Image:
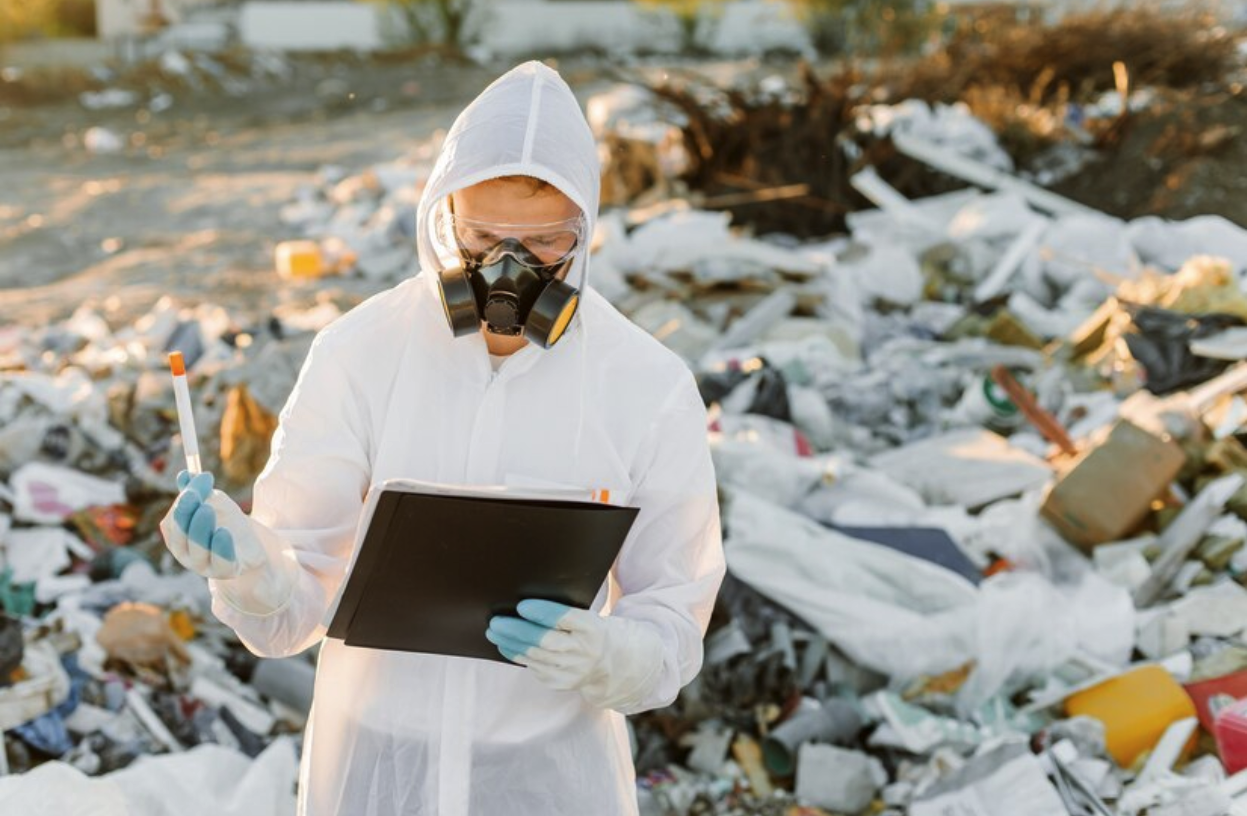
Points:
(473, 240)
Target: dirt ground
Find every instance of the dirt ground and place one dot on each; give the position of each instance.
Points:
(1183, 156)
(191, 207)
(199, 221)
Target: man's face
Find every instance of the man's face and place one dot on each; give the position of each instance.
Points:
(512, 202)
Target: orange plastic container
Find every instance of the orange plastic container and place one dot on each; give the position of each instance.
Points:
(1136, 708)
(300, 259)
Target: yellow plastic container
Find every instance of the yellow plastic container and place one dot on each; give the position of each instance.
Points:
(1136, 709)
(300, 259)
(181, 623)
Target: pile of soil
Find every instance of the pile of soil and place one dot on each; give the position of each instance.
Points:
(1177, 153)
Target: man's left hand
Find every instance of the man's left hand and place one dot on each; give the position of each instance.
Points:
(611, 661)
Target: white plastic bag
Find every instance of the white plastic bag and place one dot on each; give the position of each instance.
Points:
(206, 781)
(1170, 244)
(905, 617)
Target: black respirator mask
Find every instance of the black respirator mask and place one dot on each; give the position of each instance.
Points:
(511, 283)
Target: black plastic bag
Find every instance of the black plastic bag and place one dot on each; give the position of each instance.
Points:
(1161, 345)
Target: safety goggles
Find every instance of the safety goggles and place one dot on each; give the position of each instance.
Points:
(475, 242)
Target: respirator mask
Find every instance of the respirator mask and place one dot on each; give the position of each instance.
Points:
(507, 275)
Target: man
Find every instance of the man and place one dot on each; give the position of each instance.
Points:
(403, 386)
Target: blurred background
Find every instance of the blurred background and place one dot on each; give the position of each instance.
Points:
(151, 146)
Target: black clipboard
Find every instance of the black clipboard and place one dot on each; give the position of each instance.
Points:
(434, 564)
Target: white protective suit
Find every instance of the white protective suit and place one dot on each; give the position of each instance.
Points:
(387, 392)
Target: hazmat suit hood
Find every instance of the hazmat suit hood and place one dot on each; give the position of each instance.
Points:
(526, 123)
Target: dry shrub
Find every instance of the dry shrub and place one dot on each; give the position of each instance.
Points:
(1015, 75)
(737, 143)
(1074, 57)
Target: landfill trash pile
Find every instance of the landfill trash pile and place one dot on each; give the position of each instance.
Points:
(360, 224)
(983, 484)
(108, 650)
(982, 493)
(957, 526)
(979, 462)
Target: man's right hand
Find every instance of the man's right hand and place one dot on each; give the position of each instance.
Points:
(208, 533)
(254, 569)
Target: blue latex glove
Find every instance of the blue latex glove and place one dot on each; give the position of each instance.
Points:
(612, 662)
(197, 520)
(210, 535)
(515, 637)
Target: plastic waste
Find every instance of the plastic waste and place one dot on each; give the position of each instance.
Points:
(300, 259)
(837, 778)
(101, 141)
(1009, 777)
(137, 636)
(48, 494)
(1136, 709)
(836, 721)
(905, 616)
(1162, 346)
(11, 647)
(966, 467)
(207, 781)
(1231, 732)
(1170, 244)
